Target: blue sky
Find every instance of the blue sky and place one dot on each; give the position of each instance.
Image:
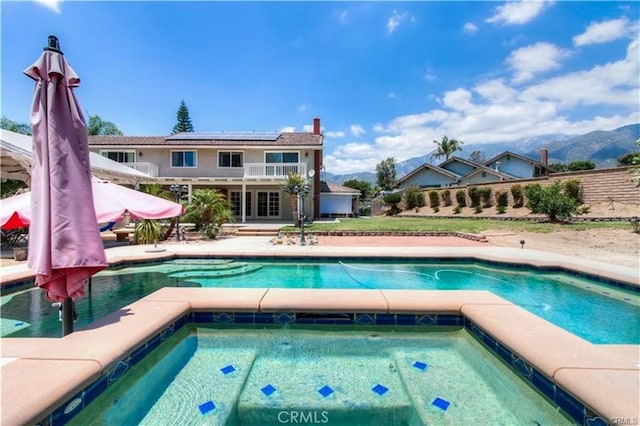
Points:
(385, 78)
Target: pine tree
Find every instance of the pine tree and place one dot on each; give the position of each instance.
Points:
(184, 121)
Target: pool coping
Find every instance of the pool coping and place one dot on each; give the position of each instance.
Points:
(52, 372)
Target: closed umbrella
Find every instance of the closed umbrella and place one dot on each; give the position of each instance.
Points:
(65, 247)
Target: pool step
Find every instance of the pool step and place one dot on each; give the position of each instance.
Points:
(229, 270)
(206, 390)
(347, 390)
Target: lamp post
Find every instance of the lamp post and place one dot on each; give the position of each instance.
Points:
(301, 192)
(178, 192)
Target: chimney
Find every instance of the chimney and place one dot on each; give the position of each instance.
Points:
(316, 126)
(544, 157)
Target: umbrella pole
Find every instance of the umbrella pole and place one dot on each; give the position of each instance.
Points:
(67, 316)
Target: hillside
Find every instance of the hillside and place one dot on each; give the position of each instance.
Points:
(602, 147)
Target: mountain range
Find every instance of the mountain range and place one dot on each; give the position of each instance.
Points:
(600, 146)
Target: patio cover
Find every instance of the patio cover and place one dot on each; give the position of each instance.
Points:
(15, 162)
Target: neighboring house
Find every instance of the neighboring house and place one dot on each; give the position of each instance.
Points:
(248, 167)
(338, 200)
(428, 176)
(459, 166)
(519, 166)
(458, 171)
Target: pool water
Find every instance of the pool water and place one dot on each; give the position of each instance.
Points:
(245, 376)
(598, 313)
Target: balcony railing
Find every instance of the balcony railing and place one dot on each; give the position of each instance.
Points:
(278, 170)
(149, 168)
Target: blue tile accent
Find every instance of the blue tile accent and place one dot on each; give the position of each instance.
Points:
(202, 317)
(207, 407)
(94, 390)
(420, 365)
(447, 319)
(68, 410)
(243, 317)
(426, 320)
(569, 404)
(489, 341)
(364, 319)
(305, 320)
(596, 421)
(504, 353)
(154, 342)
(166, 333)
(285, 318)
(181, 322)
(405, 319)
(268, 390)
(546, 386)
(344, 321)
(379, 389)
(325, 321)
(385, 319)
(228, 369)
(522, 367)
(137, 355)
(118, 371)
(223, 318)
(264, 318)
(325, 391)
(441, 404)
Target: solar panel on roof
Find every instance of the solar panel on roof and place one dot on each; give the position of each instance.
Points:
(234, 136)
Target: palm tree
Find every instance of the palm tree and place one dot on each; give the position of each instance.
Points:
(446, 147)
(208, 210)
(157, 190)
(292, 185)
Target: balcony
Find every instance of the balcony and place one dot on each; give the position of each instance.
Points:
(149, 168)
(273, 170)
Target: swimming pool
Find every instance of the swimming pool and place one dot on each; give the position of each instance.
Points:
(248, 376)
(587, 308)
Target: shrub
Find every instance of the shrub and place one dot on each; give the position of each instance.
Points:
(446, 197)
(581, 165)
(573, 190)
(532, 193)
(457, 209)
(392, 200)
(434, 199)
(502, 199)
(552, 201)
(518, 196)
(485, 194)
(474, 195)
(477, 209)
(413, 197)
(635, 224)
(461, 198)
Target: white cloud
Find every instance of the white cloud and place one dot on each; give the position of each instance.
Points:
(51, 4)
(396, 18)
(518, 12)
(429, 75)
(527, 61)
(357, 130)
(335, 134)
(302, 107)
(343, 17)
(391, 95)
(497, 111)
(307, 128)
(602, 32)
(288, 129)
(470, 28)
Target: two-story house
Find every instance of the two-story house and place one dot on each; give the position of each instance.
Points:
(248, 167)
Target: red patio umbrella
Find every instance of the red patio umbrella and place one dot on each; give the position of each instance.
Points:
(111, 202)
(65, 247)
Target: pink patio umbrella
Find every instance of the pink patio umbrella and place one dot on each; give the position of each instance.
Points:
(65, 248)
(111, 202)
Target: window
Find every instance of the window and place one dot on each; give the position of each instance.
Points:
(120, 156)
(269, 204)
(229, 159)
(183, 159)
(281, 157)
(235, 198)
